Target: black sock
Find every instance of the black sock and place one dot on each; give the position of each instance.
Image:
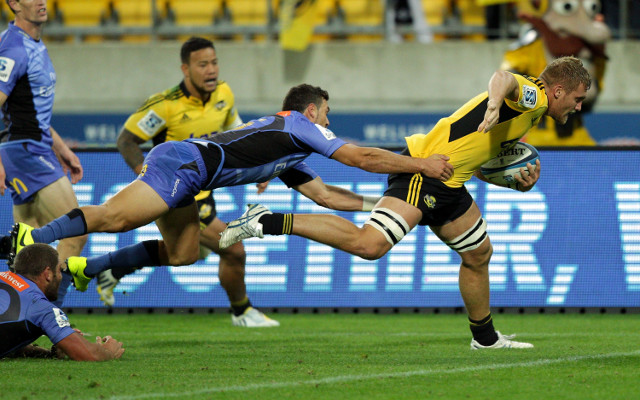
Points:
(240, 307)
(277, 224)
(483, 331)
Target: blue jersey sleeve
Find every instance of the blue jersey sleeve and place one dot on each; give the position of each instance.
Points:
(52, 320)
(322, 140)
(13, 65)
(299, 174)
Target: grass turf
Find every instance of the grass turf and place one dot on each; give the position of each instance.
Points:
(340, 356)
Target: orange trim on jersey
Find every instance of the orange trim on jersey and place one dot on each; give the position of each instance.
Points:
(284, 113)
(14, 280)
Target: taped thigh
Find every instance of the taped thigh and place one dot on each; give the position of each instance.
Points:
(389, 223)
(471, 239)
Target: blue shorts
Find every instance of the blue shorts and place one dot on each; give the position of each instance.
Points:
(173, 170)
(30, 166)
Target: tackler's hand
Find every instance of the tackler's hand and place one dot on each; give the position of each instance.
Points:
(438, 168)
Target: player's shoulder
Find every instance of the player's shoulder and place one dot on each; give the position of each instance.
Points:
(532, 92)
(302, 125)
(172, 94)
(12, 45)
(224, 90)
(294, 117)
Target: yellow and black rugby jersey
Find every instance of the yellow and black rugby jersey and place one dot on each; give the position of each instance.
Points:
(175, 115)
(457, 136)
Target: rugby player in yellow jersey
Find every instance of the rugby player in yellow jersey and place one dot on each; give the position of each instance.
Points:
(474, 134)
(200, 106)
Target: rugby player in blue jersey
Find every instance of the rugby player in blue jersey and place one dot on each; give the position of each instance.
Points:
(34, 159)
(27, 312)
(174, 172)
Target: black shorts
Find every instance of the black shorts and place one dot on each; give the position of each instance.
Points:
(439, 203)
(207, 210)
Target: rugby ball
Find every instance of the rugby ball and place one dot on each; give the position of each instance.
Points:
(502, 169)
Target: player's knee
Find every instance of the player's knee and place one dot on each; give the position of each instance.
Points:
(368, 249)
(389, 227)
(113, 222)
(184, 258)
(233, 256)
(479, 258)
(372, 253)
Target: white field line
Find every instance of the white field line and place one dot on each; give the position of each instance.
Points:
(254, 333)
(405, 374)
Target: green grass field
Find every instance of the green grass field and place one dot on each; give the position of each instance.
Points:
(341, 356)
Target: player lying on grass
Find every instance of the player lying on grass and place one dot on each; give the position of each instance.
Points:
(174, 172)
(471, 136)
(30, 314)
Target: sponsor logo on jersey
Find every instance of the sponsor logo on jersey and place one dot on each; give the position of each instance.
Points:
(151, 123)
(279, 168)
(205, 211)
(185, 118)
(61, 318)
(17, 185)
(46, 162)
(529, 96)
(430, 201)
(326, 132)
(6, 66)
(46, 91)
(220, 105)
(14, 281)
(175, 187)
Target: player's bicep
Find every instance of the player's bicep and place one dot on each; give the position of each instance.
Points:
(126, 138)
(348, 154)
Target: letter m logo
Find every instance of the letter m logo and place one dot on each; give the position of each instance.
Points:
(17, 184)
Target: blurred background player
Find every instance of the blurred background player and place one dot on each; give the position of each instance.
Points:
(558, 28)
(29, 312)
(471, 136)
(34, 159)
(200, 106)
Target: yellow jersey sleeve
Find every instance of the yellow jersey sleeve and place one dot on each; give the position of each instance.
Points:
(531, 94)
(150, 119)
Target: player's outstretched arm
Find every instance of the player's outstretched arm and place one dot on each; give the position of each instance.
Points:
(78, 348)
(502, 85)
(129, 146)
(377, 160)
(335, 197)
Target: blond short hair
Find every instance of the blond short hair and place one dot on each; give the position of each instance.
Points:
(568, 72)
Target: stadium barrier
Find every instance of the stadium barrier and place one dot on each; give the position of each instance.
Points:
(571, 242)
